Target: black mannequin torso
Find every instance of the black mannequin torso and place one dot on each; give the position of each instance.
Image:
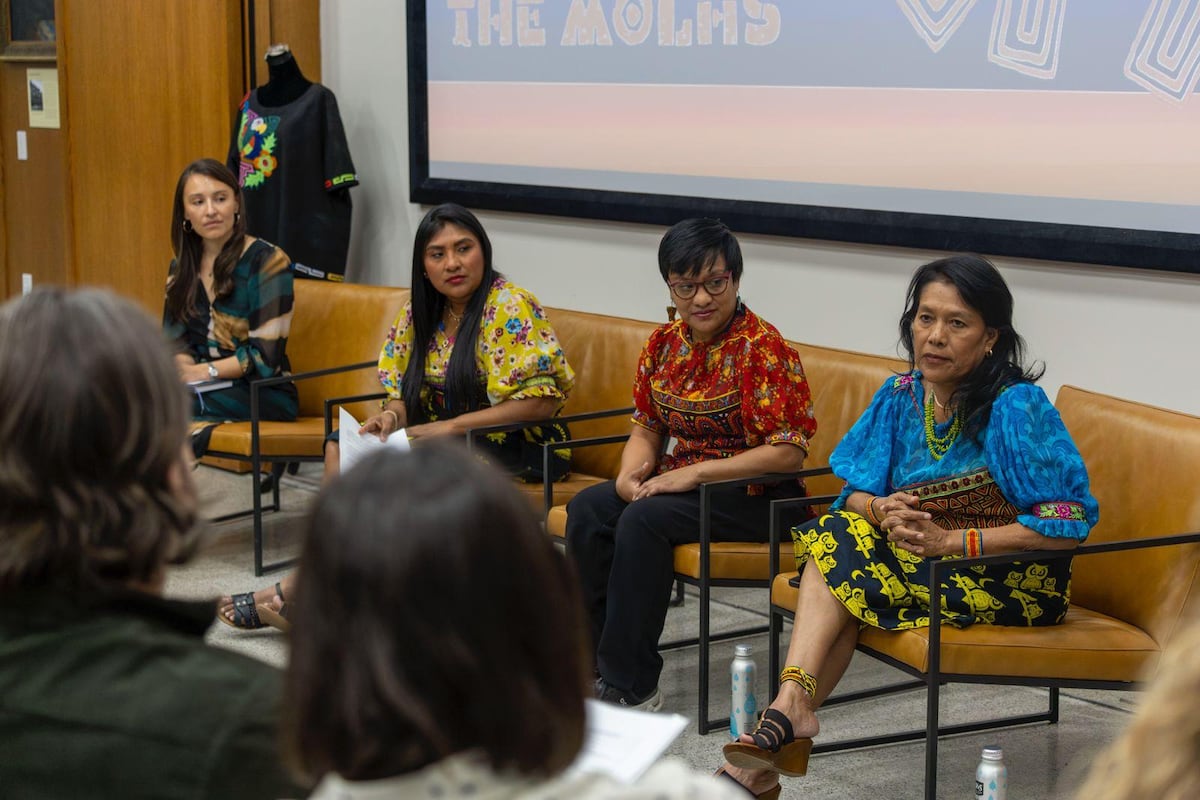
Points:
(285, 84)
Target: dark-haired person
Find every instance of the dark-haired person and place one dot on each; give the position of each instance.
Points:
(469, 349)
(726, 386)
(962, 455)
(443, 652)
(229, 299)
(107, 688)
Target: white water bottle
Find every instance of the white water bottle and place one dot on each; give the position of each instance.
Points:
(991, 776)
(743, 708)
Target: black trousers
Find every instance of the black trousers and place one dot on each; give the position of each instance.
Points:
(624, 555)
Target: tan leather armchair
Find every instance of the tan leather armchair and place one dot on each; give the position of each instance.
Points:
(1131, 583)
(603, 351)
(337, 331)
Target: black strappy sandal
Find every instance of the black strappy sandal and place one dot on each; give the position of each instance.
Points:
(250, 615)
(775, 748)
(245, 613)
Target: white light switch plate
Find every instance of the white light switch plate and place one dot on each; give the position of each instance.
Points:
(26, 283)
(22, 147)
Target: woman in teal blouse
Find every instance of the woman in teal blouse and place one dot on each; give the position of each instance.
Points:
(229, 299)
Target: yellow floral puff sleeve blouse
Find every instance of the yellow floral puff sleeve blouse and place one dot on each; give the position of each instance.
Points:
(517, 356)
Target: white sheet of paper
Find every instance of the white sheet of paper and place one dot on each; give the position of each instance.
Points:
(623, 743)
(354, 446)
(209, 385)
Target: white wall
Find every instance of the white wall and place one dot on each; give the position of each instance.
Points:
(1130, 333)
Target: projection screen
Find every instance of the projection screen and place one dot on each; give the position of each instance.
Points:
(1037, 128)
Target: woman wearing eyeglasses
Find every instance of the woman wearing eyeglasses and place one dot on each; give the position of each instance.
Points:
(728, 389)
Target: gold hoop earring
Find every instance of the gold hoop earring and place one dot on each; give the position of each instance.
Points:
(187, 225)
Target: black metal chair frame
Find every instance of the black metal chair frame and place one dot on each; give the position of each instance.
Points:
(704, 583)
(933, 679)
(256, 458)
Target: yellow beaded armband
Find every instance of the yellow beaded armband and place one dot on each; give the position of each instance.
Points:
(808, 684)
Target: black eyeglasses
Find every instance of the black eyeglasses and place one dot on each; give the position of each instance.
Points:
(686, 290)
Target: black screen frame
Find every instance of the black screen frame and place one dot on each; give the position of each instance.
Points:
(1046, 241)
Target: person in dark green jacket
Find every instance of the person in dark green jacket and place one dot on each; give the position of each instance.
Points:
(107, 688)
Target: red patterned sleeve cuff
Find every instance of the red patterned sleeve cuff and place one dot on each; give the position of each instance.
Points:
(788, 437)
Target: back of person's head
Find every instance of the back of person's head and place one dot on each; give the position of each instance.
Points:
(432, 617)
(693, 245)
(94, 488)
(1157, 757)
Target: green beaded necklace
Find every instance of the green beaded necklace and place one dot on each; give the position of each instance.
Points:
(939, 445)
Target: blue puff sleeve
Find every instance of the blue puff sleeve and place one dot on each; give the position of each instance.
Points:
(863, 457)
(1037, 466)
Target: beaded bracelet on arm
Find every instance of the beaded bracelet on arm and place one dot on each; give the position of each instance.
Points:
(972, 543)
(870, 508)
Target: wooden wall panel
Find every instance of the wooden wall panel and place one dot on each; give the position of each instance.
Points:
(296, 23)
(149, 87)
(35, 236)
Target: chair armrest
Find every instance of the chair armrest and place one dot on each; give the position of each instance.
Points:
(474, 433)
(766, 477)
(706, 490)
(776, 527)
(255, 386)
(589, 441)
(936, 565)
(330, 402)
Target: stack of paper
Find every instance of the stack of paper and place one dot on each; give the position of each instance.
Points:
(355, 446)
(623, 743)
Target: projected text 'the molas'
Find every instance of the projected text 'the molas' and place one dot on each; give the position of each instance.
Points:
(602, 23)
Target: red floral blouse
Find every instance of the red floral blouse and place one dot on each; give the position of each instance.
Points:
(743, 389)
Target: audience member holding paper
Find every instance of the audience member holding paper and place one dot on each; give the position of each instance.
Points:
(405, 685)
(470, 349)
(229, 301)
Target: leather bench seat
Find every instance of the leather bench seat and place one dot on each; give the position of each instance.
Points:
(1087, 646)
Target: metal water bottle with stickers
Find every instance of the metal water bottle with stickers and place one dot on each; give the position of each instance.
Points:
(743, 709)
(991, 776)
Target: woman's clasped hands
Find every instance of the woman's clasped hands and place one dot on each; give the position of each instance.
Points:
(912, 529)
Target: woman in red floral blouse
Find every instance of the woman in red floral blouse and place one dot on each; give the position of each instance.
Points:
(731, 392)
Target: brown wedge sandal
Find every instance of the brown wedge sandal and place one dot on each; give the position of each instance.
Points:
(775, 748)
(766, 794)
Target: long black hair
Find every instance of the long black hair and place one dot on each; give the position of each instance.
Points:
(462, 390)
(983, 289)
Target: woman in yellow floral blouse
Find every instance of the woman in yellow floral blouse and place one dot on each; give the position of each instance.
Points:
(729, 390)
(469, 350)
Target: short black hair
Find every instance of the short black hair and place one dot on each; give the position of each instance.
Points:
(432, 617)
(690, 246)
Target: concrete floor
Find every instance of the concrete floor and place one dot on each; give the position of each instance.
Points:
(1045, 762)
